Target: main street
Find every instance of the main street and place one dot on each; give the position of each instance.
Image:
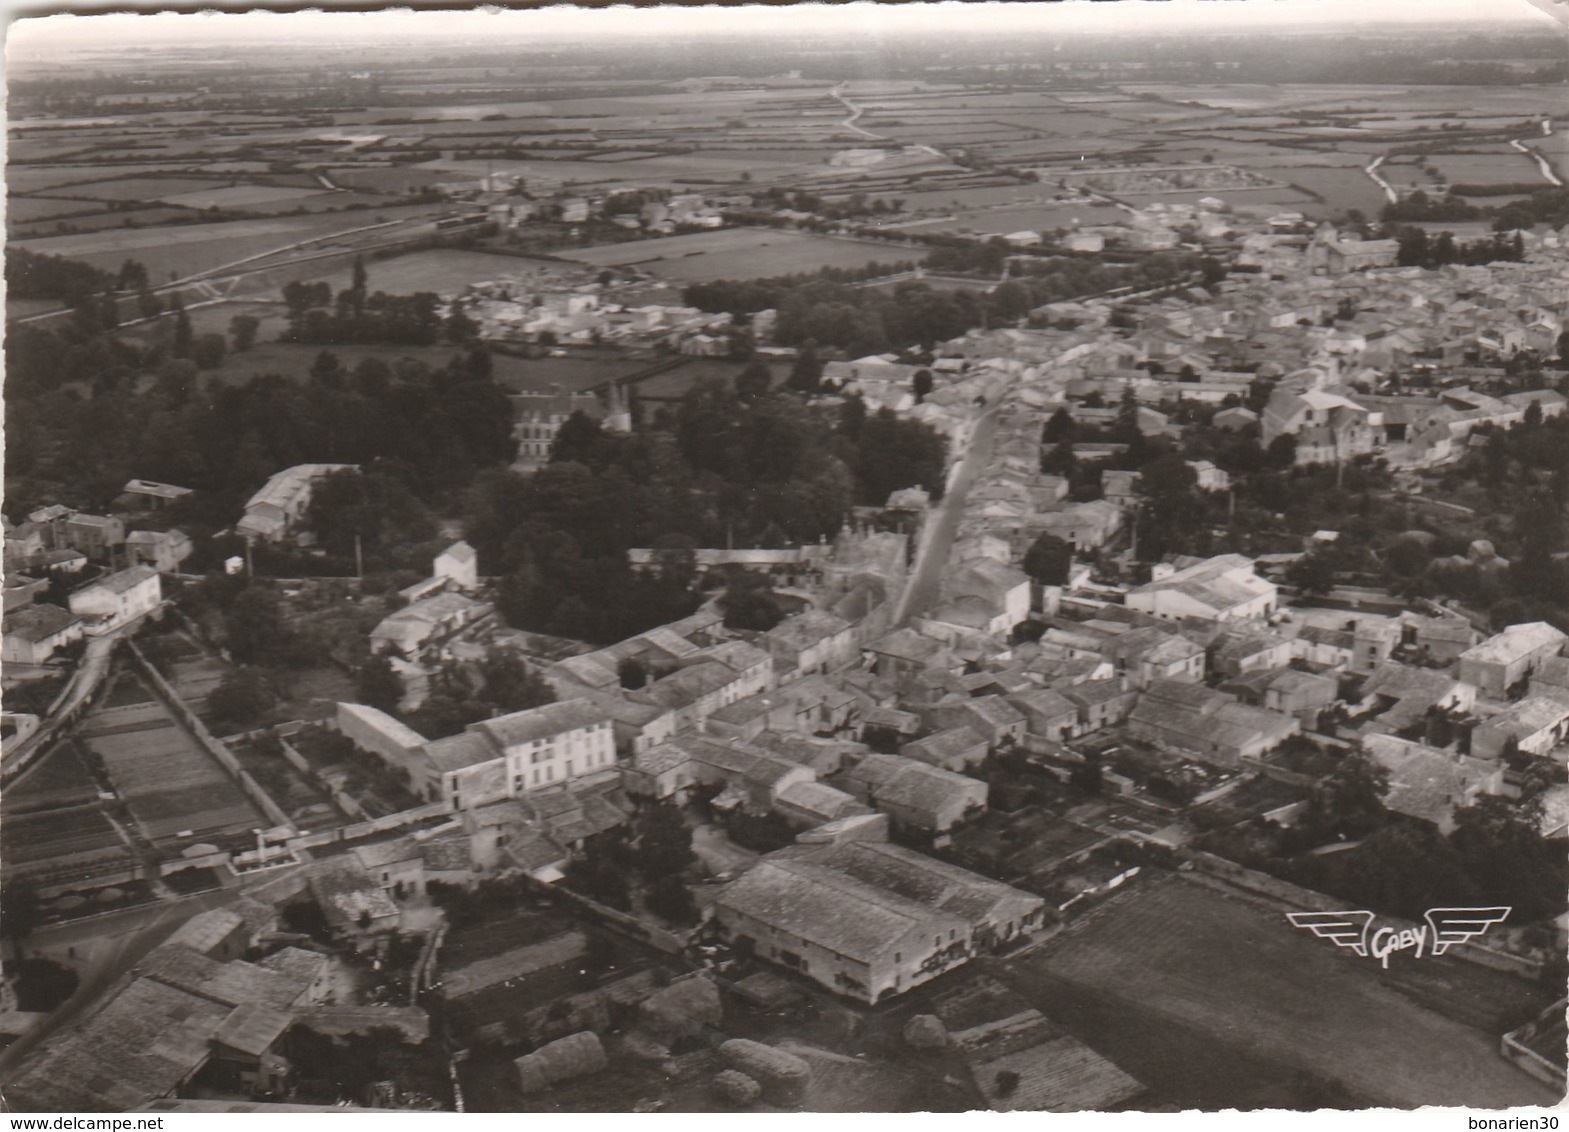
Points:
(942, 523)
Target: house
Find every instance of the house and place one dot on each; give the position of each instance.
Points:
(118, 598)
(516, 754)
(279, 507)
(766, 711)
(147, 495)
(1329, 428)
(162, 550)
(957, 749)
(1048, 714)
(357, 911)
(993, 717)
(1289, 691)
(1100, 703)
(96, 536)
(1428, 784)
(1533, 726)
(868, 919)
(915, 795)
(809, 642)
(458, 565)
(985, 595)
(1399, 695)
(538, 416)
(1083, 526)
(1441, 639)
(1235, 651)
(35, 633)
(1507, 659)
(1223, 588)
(750, 776)
(1210, 725)
(709, 680)
(1150, 653)
(408, 630)
(904, 654)
(377, 733)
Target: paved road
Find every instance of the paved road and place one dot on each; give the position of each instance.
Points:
(943, 524)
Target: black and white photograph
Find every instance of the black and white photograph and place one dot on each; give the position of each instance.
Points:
(788, 559)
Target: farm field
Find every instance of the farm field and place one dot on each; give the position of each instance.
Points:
(1001, 221)
(241, 196)
(1507, 167)
(673, 384)
(188, 248)
(58, 778)
(169, 783)
(443, 270)
(1174, 974)
(83, 831)
(742, 253)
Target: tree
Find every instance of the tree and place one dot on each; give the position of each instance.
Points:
(669, 898)
(242, 331)
(1313, 573)
(1048, 560)
(1007, 1082)
(852, 416)
(580, 439)
(21, 911)
(208, 350)
(892, 454)
(181, 345)
(459, 326)
(244, 695)
(1503, 851)
(632, 673)
(1349, 802)
(921, 384)
(508, 683)
(1126, 426)
(749, 603)
(378, 685)
(806, 374)
(1059, 427)
(753, 381)
(663, 841)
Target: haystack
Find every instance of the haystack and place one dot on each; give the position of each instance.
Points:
(576, 1055)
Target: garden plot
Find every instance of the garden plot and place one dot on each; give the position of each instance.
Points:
(169, 783)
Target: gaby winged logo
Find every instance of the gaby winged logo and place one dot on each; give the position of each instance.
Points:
(1445, 927)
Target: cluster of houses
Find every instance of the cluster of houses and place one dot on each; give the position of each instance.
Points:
(112, 563)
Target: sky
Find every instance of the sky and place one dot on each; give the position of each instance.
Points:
(47, 34)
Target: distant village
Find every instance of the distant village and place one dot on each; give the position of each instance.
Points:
(857, 741)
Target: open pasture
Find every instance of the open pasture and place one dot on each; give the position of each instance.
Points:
(1211, 972)
(742, 253)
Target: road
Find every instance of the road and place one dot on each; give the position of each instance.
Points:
(1541, 162)
(1372, 172)
(942, 525)
(854, 111)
